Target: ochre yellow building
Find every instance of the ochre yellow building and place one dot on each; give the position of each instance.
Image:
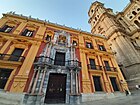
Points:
(122, 30)
(51, 63)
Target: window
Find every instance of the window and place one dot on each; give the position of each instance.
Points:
(97, 83)
(137, 23)
(59, 59)
(6, 29)
(102, 48)
(114, 83)
(92, 64)
(4, 76)
(130, 17)
(15, 56)
(135, 44)
(89, 45)
(48, 38)
(107, 66)
(95, 18)
(134, 13)
(28, 33)
(74, 43)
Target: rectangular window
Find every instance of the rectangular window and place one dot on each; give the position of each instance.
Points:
(48, 38)
(92, 64)
(107, 66)
(4, 75)
(114, 83)
(59, 59)
(28, 33)
(97, 83)
(6, 29)
(74, 43)
(89, 45)
(15, 56)
(102, 48)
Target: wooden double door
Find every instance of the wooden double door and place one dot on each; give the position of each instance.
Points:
(56, 90)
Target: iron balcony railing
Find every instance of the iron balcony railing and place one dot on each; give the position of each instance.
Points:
(74, 63)
(110, 68)
(8, 57)
(43, 60)
(94, 67)
(50, 61)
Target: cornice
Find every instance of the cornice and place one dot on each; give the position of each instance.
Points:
(49, 24)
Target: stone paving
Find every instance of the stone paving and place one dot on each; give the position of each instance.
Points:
(133, 99)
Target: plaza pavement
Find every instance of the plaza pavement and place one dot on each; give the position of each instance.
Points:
(133, 99)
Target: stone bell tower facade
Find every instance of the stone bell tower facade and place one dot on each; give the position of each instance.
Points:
(122, 31)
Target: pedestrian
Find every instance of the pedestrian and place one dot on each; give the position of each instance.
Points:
(126, 92)
(137, 87)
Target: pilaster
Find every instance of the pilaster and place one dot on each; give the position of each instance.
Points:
(20, 28)
(86, 83)
(22, 77)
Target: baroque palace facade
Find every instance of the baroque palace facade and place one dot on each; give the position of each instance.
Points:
(123, 34)
(49, 63)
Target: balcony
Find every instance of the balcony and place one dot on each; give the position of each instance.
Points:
(43, 60)
(70, 64)
(73, 64)
(94, 67)
(110, 68)
(8, 57)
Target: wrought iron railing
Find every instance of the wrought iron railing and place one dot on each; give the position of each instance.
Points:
(94, 67)
(43, 60)
(110, 68)
(48, 60)
(73, 63)
(8, 57)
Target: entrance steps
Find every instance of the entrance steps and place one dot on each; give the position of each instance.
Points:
(100, 96)
(7, 98)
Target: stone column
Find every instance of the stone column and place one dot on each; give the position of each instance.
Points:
(42, 81)
(35, 82)
(71, 81)
(31, 83)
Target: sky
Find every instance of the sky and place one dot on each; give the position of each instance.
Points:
(71, 13)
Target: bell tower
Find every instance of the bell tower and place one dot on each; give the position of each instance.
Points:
(99, 18)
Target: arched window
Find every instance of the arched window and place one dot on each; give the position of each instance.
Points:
(130, 17)
(139, 17)
(138, 9)
(134, 13)
(95, 18)
(137, 23)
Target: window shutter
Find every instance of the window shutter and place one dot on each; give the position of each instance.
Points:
(24, 32)
(32, 32)
(3, 28)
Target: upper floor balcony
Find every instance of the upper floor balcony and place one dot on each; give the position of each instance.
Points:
(98, 67)
(114, 69)
(7, 59)
(94, 67)
(70, 64)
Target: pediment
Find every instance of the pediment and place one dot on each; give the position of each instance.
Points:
(12, 22)
(32, 26)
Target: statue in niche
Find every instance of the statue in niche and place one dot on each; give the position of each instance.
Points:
(62, 40)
